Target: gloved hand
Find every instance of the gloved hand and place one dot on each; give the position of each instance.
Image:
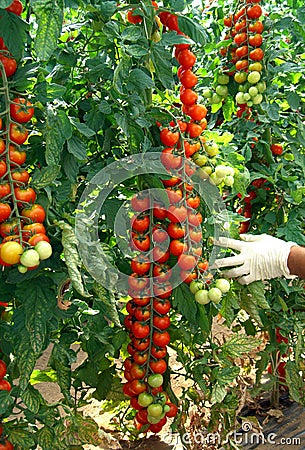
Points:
(261, 257)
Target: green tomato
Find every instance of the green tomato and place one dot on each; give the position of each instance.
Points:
(207, 93)
(249, 103)
(199, 159)
(223, 284)
(257, 99)
(44, 250)
(261, 86)
(215, 99)
(154, 420)
(30, 258)
(145, 399)
(195, 286)
(289, 156)
(155, 410)
(22, 269)
(202, 297)
(253, 91)
(229, 180)
(215, 179)
(223, 79)
(247, 96)
(222, 90)
(155, 380)
(211, 148)
(166, 408)
(254, 77)
(256, 66)
(161, 398)
(215, 295)
(222, 171)
(239, 98)
(240, 77)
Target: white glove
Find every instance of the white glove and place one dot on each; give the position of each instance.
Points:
(261, 257)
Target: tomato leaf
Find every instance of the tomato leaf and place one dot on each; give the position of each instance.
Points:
(184, 302)
(6, 401)
(236, 346)
(109, 301)
(32, 399)
(161, 60)
(13, 32)
(57, 130)
(193, 29)
(227, 375)
(49, 15)
(295, 382)
(77, 148)
(257, 291)
(21, 437)
(139, 80)
(45, 177)
(46, 438)
(218, 394)
(60, 360)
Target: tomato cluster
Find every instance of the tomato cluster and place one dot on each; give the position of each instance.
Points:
(22, 233)
(9, 63)
(245, 55)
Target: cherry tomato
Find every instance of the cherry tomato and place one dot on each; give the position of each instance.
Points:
(141, 416)
(159, 211)
(137, 385)
(162, 273)
(140, 357)
(159, 234)
(20, 177)
(194, 129)
(186, 58)
(137, 283)
(161, 306)
(276, 149)
(5, 385)
(256, 27)
(172, 22)
(140, 203)
(133, 18)
(142, 313)
(16, 156)
(240, 39)
(140, 265)
(187, 262)
(193, 202)
(161, 322)
(5, 212)
(5, 190)
(35, 213)
(163, 290)
(159, 255)
(256, 40)
(161, 339)
(15, 7)
(21, 110)
(140, 330)
(24, 195)
(9, 64)
(140, 224)
(141, 300)
(257, 54)
(177, 247)
(188, 79)
(173, 410)
(18, 133)
(168, 137)
(32, 229)
(7, 445)
(3, 168)
(135, 404)
(169, 159)
(188, 97)
(177, 213)
(38, 238)
(9, 227)
(2, 369)
(141, 344)
(140, 242)
(158, 366)
(175, 230)
(158, 352)
(254, 12)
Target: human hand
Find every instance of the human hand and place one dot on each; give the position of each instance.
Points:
(261, 257)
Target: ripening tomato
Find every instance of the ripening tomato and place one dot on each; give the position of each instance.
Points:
(9, 227)
(158, 366)
(160, 255)
(20, 177)
(177, 213)
(242, 51)
(187, 262)
(21, 110)
(140, 202)
(133, 18)
(9, 64)
(24, 195)
(188, 97)
(161, 322)
(161, 339)
(186, 58)
(191, 148)
(174, 195)
(195, 234)
(137, 385)
(5, 190)
(2, 369)
(32, 229)
(16, 156)
(240, 26)
(276, 149)
(177, 247)
(161, 306)
(188, 276)
(194, 218)
(5, 212)
(140, 223)
(193, 201)
(137, 283)
(256, 40)
(240, 65)
(257, 54)
(140, 330)
(15, 7)
(173, 410)
(170, 159)
(38, 238)
(11, 252)
(168, 137)
(35, 213)
(254, 12)
(3, 168)
(18, 133)
(2, 263)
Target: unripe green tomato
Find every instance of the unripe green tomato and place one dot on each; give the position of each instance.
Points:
(242, 88)
(208, 170)
(240, 98)
(215, 295)
(155, 380)
(211, 148)
(200, 159)
(22, 269)
(195, 286)
(229, 180)
(202, 297)
(222, 90)
(44, 249)
(230, 171)
(253, 91)
(29, 258)
(254, 77)
(256, 66)
(166, 408)
(257, 99)
(240, 77)
(247, 96)
(215, 99)
(223, 284)
(155, 410)
(250, 103)
(289, 156)
(145, 399)
(261, 86)
(207, 93)
(223, 79)
(215, 179)
(221, 171)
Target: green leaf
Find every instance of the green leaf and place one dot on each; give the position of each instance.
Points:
(21, 437)
(171, 38)
(57, 130)
(228, 305)
(5, 3)
(72, 258)
(105, 382)
(193, 29)
(237, 345)
(294, 100)
(77, 148)
(291, 231)
(71, 166)
(60, 360)
(6, 401)
(121, 74)
(218, 394)
(109, 300)
(257, 291)
(272, 110)
(184, 302)
(139, 80)
(107, 9)
(248, 303)
(46, 438)
(49, 15)
(161, 60)
(44, 177)
(295, 382)
(82, 127)
(43, 376)
(25, 359)
(227, 375)
(13, 32)
(32, 399)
